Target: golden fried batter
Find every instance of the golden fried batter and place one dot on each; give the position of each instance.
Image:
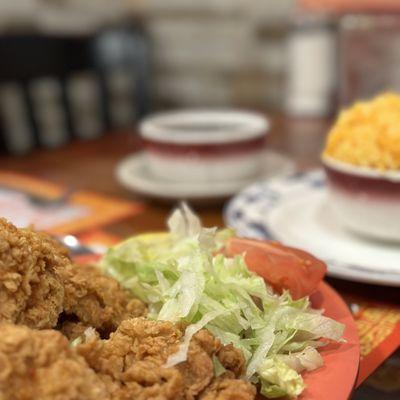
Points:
(135, 340)
(229, 389)
(95, 299)
(38, 283)
(132, 360)
(31, 292)
(198, 370)
(145, 380)
(232, 359)
(42, 365)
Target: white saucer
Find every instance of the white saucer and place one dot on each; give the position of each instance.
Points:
(133, 174)
(295, 210)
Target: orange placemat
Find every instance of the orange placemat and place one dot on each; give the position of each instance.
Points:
(26, 200)
(378, 324)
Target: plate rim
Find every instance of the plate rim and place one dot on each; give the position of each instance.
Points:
(352, 334)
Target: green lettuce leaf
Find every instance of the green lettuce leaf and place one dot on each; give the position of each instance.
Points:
(278, 379)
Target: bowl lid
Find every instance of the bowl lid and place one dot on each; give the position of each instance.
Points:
(204, 126)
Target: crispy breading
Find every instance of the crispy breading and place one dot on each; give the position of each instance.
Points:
(95, 299)
(135, 339)
(198, 370)
(132, 361)
(41, 288)
(232, 359)
(42, 365)
(145, 380)
(229, 389)
(31, 292)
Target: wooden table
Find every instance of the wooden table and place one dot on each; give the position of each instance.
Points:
(91, 165)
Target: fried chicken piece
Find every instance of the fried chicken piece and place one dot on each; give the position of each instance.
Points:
(229, 389)
(135, 340)
(41, 365)
(130, 361)
(31, 292)
(145, 380)
(198, 370)
(232, 360)
(97, 300)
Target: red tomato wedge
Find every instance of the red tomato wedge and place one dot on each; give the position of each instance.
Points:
(281, 266)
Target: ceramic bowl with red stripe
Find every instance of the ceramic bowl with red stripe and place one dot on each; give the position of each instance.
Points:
(204, 146)
(366, 200)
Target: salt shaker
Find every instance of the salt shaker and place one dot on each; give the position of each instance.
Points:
(311, 65)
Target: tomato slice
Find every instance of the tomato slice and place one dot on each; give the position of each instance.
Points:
(281, 266)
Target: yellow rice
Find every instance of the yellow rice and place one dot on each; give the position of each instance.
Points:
(368, 134)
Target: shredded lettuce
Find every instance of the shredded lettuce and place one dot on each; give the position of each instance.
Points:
(278, 379)
(308, 359)
(75, 342)
(219, 369)
(88, 334)
(180, 276)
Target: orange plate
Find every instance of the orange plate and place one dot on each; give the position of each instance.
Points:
(336, 379)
